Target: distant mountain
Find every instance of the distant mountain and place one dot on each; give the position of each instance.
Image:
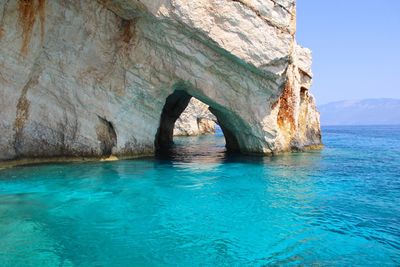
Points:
(361, 112)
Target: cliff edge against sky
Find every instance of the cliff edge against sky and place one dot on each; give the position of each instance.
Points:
(95, 78)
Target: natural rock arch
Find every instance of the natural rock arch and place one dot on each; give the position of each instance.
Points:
(175, 104)
(119, 60)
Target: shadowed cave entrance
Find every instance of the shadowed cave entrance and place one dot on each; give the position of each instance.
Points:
(174, 105)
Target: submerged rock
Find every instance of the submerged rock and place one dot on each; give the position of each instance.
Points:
(94, 78)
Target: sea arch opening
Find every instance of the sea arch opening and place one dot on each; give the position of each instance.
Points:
(174, 106)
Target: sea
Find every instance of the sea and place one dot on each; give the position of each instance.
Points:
(200, 206)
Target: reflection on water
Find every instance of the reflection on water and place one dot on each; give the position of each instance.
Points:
(201, 205)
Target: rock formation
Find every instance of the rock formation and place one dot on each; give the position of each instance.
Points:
(93, 78)
(196, 119)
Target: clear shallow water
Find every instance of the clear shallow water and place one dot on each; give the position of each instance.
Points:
(200, 207)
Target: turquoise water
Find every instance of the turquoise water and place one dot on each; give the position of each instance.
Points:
(200, 207)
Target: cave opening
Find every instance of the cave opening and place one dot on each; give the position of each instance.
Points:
(178, 106)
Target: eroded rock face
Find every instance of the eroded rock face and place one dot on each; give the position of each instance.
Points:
(65, 64)
(196, 119)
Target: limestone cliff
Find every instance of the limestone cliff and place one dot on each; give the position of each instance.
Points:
(94, 78)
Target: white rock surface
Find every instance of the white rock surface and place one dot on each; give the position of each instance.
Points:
(196, 119)
(90, 78)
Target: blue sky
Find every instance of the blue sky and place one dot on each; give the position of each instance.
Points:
(356, 47)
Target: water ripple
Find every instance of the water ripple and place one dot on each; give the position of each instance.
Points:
(201, 206)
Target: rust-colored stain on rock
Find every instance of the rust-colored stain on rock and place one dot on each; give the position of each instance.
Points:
(22, 113)
(42, 17)
(23, 106)
(28, 10)
(286, 112)
(127, 34)
(20, 119)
